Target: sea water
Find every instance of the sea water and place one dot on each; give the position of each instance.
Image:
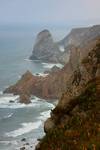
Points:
(18, 121)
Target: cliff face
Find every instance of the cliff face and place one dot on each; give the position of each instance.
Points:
(77, 126)
(75, 122)
(79, 38)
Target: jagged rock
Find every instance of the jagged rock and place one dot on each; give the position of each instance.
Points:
(52, 70)
(76, 118)
(22, 148)
(25, 99)
(56, 83)
(23, 140)
(45, 48)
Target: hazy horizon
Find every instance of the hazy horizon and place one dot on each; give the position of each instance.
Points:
(53, 12)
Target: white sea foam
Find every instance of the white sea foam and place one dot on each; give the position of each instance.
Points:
(29, 60)
(12, 102)
(44, 115)
(42, 74)
(9, 142)
(50, 65)
(8, 116)
(25, 128)
(6, 98)
(62, 49)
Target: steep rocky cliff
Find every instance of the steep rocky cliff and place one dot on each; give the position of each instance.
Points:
(75, 122)
(81, 36)
(78, 38)
(45, 48)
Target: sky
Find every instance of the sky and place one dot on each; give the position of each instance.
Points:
(50, 11)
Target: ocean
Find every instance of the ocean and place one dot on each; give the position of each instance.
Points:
(18, 121)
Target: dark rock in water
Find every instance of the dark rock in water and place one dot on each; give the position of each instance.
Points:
(22, 148)
(23, 140)
(24, 98)
(45, 48)
(76, 117)
(37, 74)
(11, 101)
(27, 144)
(38, 139)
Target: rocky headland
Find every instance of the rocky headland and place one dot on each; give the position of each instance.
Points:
(75, 122)
(57, 82)
(47, 50)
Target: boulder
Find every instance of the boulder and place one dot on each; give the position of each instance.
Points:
(48, 125)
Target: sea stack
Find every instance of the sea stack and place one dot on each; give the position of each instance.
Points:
(45, 49)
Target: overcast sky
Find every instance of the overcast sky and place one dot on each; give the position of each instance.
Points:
(49, 11)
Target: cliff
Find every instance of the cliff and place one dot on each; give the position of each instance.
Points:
(75, 122)
(78, 38)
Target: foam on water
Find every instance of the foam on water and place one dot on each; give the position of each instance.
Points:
(26, 128)
(7, 116)
(6, 98)
(9, 142)
(5, 102)
(62, 49)
(44, 115)
(50, 65)
(42, 74)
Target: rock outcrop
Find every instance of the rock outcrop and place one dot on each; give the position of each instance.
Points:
(24, 87)
(53, 85)
(75, 122)
(81, 36)
(78, 38)
(45, 48)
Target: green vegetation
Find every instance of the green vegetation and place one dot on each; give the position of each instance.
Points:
(81, 132)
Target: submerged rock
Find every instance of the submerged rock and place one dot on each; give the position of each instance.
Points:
(23, 140)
